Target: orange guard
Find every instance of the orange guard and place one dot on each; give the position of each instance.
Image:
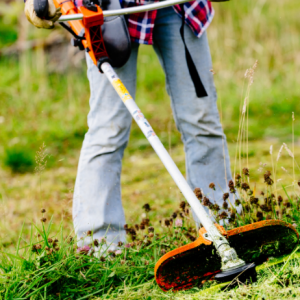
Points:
(191, 265)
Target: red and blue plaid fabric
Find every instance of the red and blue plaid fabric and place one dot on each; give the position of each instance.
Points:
(198, 16)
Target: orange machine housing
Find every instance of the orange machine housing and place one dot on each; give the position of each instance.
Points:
(89, 27)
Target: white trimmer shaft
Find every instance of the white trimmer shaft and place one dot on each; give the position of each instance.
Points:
(228, 255)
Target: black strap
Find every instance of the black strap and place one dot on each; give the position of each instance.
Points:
(200, 90)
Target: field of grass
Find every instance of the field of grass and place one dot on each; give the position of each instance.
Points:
(38, 105)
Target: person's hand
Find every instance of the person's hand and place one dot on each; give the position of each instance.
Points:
(53, 15)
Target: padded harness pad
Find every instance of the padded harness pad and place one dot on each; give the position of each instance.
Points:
(116, 36)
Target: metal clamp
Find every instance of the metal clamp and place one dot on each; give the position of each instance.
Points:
(207, 237)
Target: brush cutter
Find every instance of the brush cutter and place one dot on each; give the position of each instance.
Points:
(224, 255)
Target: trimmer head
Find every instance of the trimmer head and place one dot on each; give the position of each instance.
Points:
(245, 274)
(187, 266)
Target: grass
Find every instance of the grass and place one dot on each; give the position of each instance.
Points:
(163, 198)
(22, 199)
(41, 106)
(47, 264)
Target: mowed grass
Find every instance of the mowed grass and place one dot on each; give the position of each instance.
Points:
(38, 106)
(144, 180)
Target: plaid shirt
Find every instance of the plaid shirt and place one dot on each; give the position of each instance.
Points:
(198, 16)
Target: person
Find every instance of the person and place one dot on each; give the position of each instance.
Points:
(175, 33)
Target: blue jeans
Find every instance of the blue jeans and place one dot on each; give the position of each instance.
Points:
(97, 202)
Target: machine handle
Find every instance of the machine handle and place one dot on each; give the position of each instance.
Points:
(41, 8)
